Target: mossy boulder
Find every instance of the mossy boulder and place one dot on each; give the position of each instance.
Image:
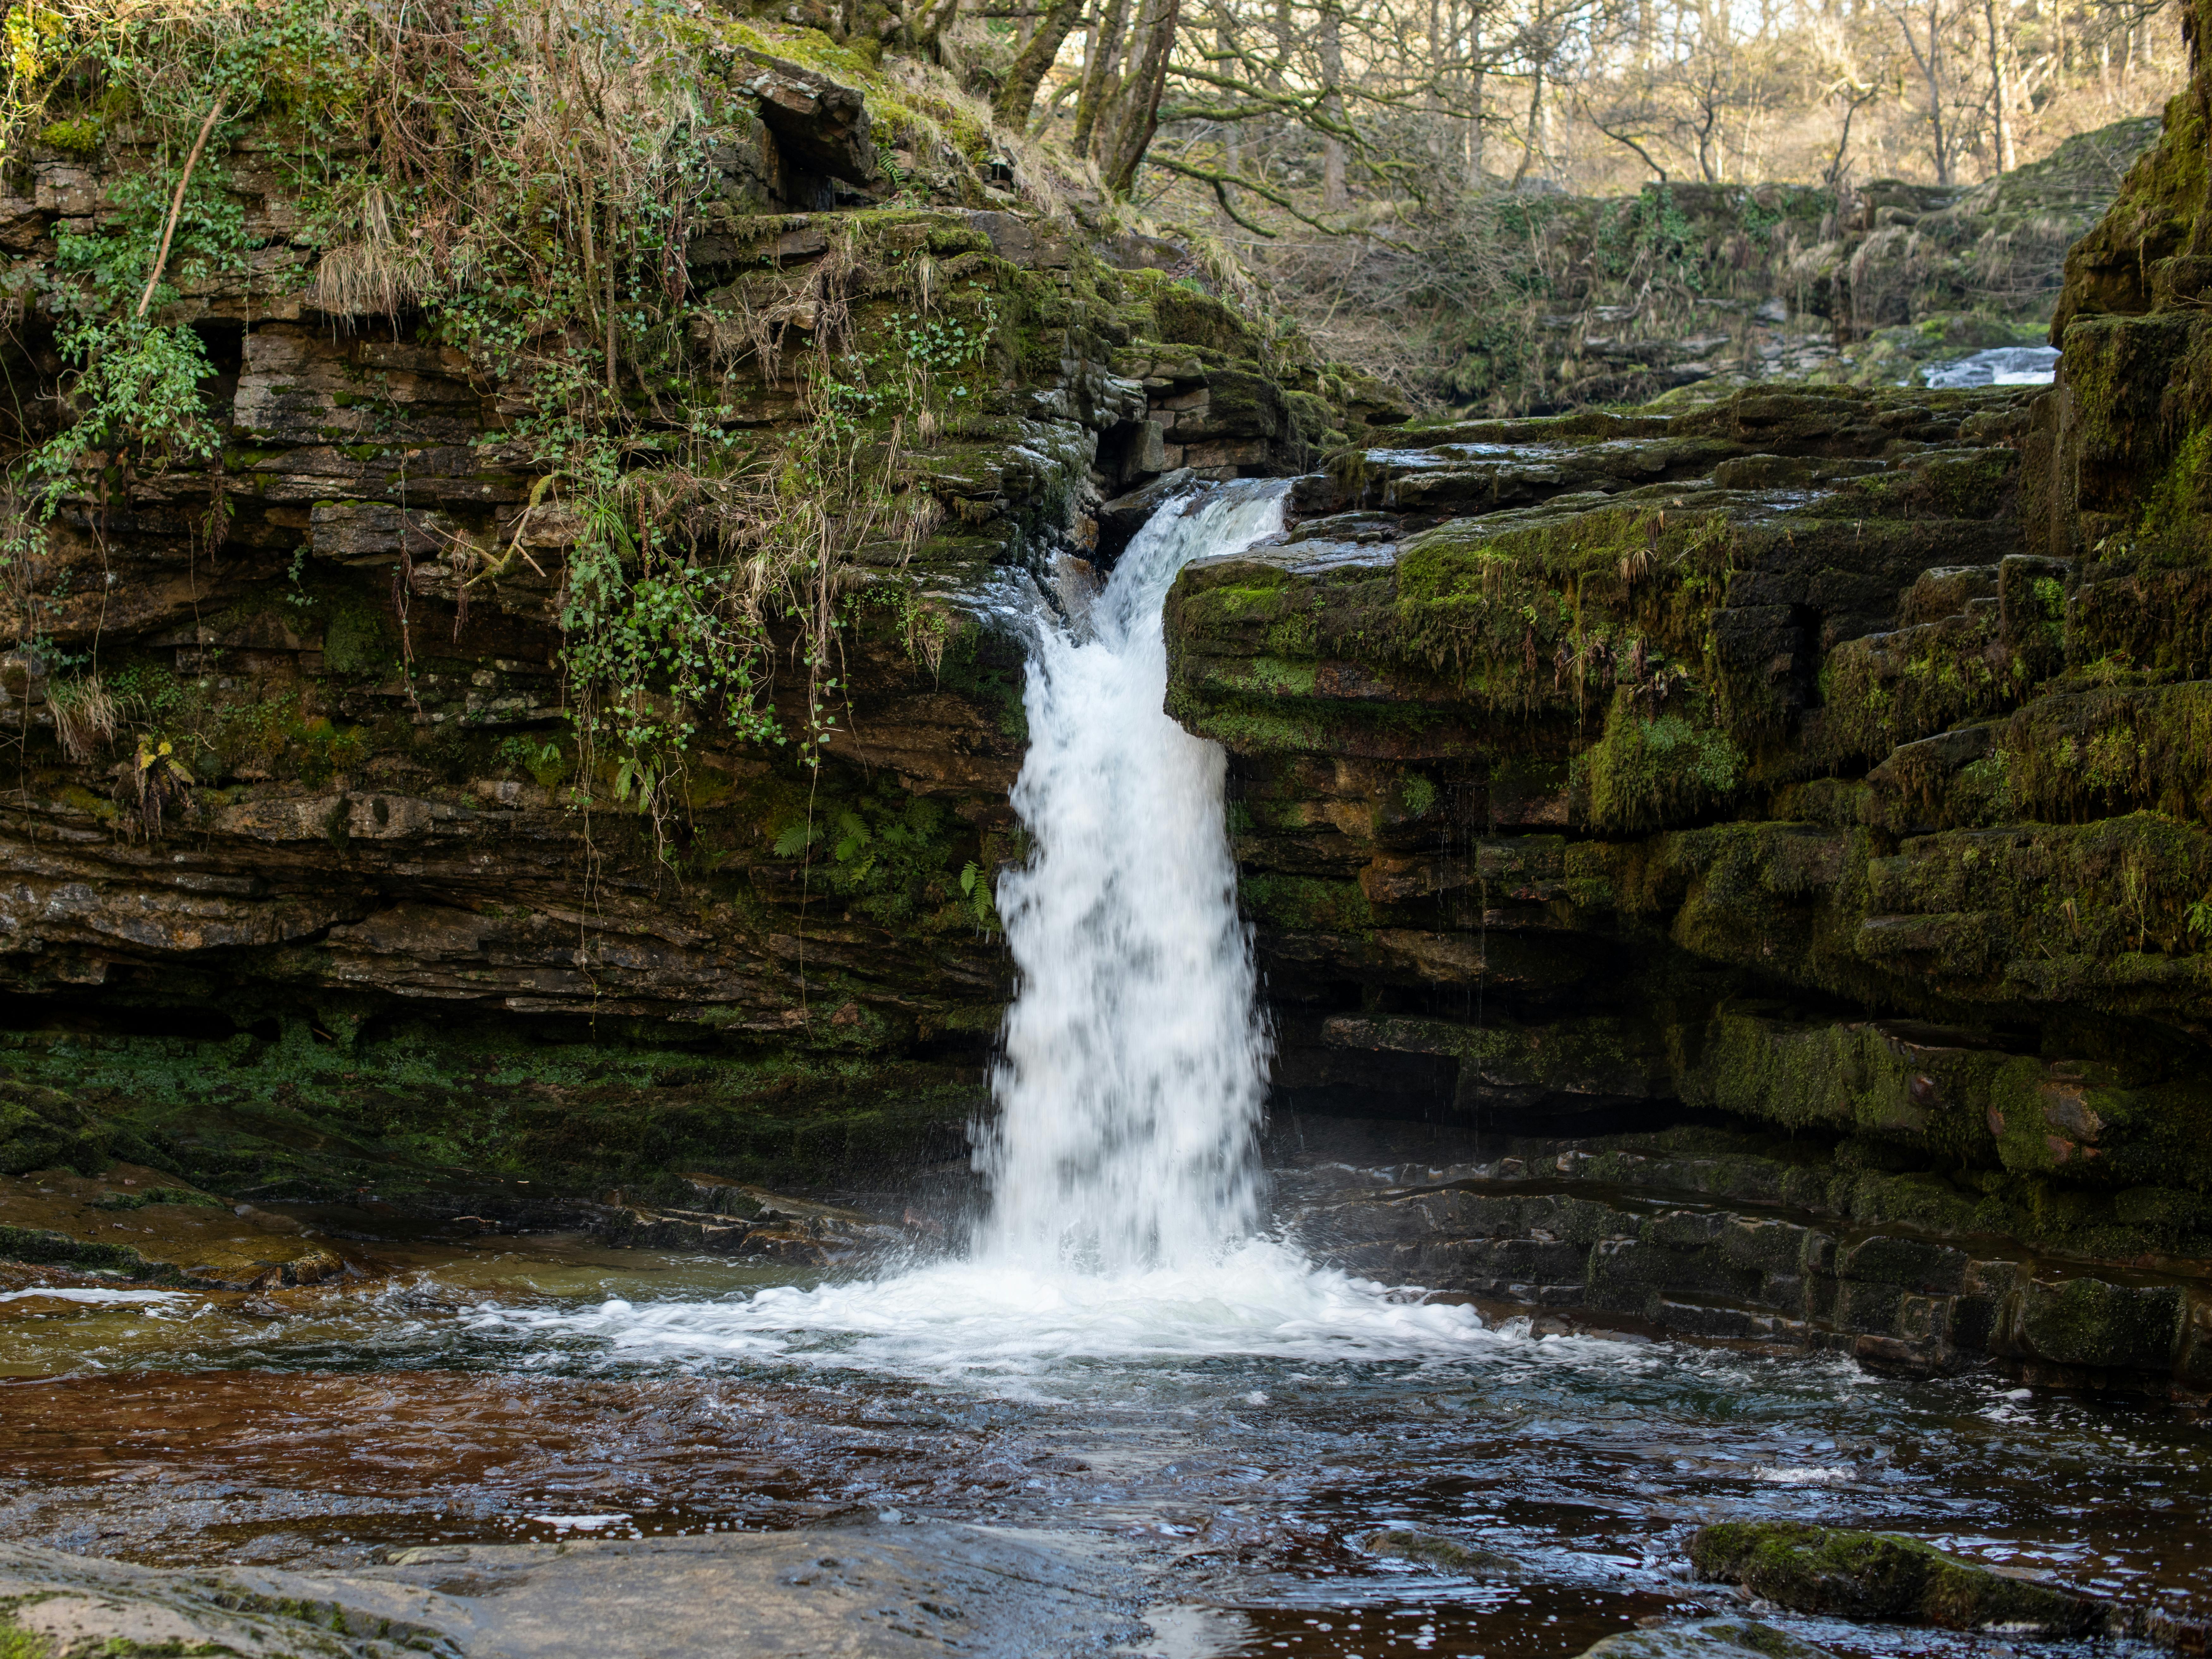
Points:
(44, 1128)
(1884, 1576)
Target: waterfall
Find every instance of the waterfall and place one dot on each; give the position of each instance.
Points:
(1134, 1063)
(1123, 1166)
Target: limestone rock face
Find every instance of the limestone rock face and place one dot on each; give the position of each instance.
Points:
(1585, 770)
(310, 850)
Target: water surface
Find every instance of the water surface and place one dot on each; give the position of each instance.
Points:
(1242, 1426)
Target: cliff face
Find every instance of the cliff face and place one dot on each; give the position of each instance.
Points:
(1770, 845)
(1744, 867)
(312, 884)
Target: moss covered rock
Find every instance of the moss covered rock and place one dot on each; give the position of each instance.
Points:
(1884, 1576)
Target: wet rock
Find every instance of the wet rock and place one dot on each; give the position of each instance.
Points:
(44, 1128)
(1882, 1576)
(146, 1224)
(1677, 1231)
(733, 1219)
(1709, 1638)
(1431, 1550)
(876, 1591)
(1120, 519)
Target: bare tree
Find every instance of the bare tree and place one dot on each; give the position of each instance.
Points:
(1927, 50)
(1995, 13)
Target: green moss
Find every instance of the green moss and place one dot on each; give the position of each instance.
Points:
(1854, 1078)
(1885, 689)
(1588, 1055)
(360, 641)
(1653, 770)
(43, 1128)
(37, 1244)
(2084, 911)
(424, 1113)
(1544, 616)
(1863, 1574)
(1306, 903)
(2093, 1322)
(78, 137)
(2092, 754)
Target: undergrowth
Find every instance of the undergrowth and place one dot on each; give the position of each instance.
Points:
(518, 184)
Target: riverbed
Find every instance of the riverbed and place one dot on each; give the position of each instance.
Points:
(1235, 1432)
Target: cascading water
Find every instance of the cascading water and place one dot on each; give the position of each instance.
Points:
(1134, 1062)
(1125, 1188)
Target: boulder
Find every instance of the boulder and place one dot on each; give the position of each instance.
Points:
(1708, 1638)
(1883, 1576)
(1430, 1550)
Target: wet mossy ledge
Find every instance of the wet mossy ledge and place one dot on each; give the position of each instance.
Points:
(1819, 771)
(1751, 771)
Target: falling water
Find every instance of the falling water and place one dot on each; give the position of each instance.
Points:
(1125, 1212)
(1135, 1060)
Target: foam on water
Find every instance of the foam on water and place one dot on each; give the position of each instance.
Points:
(2000, 366)
(1010, 1329)
(93, 1294)
(1122, 1168)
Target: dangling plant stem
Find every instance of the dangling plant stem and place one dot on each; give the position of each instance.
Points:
(177, 206)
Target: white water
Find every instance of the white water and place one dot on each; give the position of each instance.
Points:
(2000, 366)
(1123, 1173)
(1135, 1062)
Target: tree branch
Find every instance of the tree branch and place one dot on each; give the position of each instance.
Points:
(177, 206)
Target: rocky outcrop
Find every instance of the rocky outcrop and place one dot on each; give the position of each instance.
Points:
(1720, 1236)
(1602, 774)
(146, 1225)
(324, 866)
(1883, 1576)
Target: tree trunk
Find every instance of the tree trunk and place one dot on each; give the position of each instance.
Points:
(1474, 133)
(1540, 52)
(1140, 96)
(1232, 146)
(1432, 97)
(1097, 69)
(1935, 95)
(2001, 81)
(1012, 106)
(1333, 196)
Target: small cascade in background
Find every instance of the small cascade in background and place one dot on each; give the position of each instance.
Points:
(1135, 1066)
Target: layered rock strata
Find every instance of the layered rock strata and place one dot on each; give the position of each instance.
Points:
(373, 919)
(1795, 718)
(1820, 767)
